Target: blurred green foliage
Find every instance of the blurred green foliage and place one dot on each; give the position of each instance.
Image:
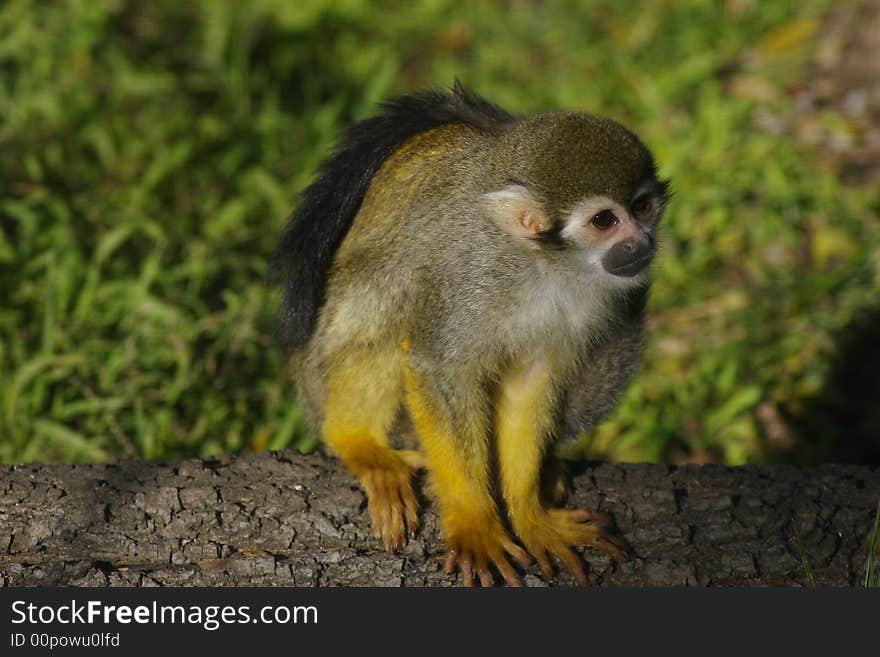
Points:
(150, 152)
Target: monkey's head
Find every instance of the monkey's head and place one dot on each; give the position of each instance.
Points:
(582, 188)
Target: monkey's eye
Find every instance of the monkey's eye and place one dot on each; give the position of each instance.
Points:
(643, 207)
(604, 220)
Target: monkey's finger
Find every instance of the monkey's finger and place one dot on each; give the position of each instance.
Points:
(573, 564)
(369, 489)
(398, 533)
(376, 519)
(388, 535)
(544, 563)
(507, 572)
(467, 571)
(613, 547)
(411, 508)
(522, 557)
(396, 527)
(451, 560)
(486, 579)
(374, 506)
(412, 521)
(379, 512)
(585, 515)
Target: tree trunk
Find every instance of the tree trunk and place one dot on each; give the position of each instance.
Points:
(287, 519)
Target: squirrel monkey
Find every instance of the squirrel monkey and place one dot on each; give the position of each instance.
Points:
(477, 280)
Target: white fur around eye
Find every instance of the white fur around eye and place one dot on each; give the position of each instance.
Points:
(584, 212)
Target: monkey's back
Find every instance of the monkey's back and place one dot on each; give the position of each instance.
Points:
(420, 242)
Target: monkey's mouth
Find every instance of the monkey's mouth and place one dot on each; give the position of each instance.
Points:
(630, 269)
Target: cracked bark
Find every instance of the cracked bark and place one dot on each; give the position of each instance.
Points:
(287, 519)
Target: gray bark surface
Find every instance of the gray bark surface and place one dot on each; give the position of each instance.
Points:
(287, 519)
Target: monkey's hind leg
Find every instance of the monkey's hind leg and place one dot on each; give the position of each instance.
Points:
(364, 391)
(524, 423)
(457, 456)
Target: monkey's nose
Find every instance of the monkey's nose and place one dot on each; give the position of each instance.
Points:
(628, 257)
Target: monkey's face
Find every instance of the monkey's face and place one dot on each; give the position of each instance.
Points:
(615, 238)
(585, 190)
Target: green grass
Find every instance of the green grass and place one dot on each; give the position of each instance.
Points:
(150, 152)
(805, 559)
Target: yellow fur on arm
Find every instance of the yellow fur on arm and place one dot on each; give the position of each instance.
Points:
(523, 423)
(457, 463)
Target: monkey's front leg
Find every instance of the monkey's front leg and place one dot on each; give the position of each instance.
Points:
(457, 456)
(524, 421)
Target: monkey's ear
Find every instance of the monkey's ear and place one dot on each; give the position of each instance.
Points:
(517, 212)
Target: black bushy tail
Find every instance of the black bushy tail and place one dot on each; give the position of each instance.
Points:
(328, 206)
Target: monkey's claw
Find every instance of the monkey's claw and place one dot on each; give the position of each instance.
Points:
(555, 531)
(473, 551)
(392, 504)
